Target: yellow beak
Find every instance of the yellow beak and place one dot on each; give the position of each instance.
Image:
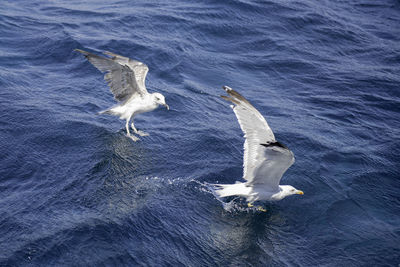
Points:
(300, 192)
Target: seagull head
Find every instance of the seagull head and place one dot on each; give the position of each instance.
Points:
(288, 190)
(160, 99)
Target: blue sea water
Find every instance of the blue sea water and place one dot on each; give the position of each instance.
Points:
(75, 191)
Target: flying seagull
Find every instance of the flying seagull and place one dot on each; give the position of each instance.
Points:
(126, 78)
(264, 161)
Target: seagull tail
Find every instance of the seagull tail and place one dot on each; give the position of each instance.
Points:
(226, 190)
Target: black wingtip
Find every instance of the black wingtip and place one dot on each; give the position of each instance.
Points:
(86, 54)
(226, 88)
(235, 95)
(231, 99)
(277, 144)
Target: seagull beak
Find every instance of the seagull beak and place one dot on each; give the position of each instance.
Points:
(300, 192)
(165, 105)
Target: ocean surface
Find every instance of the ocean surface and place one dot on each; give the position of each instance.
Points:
(75, 191)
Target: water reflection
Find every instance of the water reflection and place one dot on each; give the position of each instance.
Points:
(244, 235)
(124, 177)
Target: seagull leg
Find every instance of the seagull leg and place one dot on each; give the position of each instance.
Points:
(134, 138)
(141, 133)
(250, 205)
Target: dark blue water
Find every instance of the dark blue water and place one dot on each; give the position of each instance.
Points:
(74, 191)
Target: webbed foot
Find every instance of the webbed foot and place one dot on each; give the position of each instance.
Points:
(259, 208)
(141, 133)
(134, 138)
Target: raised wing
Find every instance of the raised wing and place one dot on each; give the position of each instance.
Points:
(261, 156)
(125, 76)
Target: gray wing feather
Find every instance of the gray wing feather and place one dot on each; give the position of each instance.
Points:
(260, 164)
(140, 69)
(125, 79)
(274, 163)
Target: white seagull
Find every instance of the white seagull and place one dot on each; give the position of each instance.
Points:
(126, 78)
(264, 161)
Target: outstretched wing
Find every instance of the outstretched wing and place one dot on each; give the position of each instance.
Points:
(125, 76)
(264, 160)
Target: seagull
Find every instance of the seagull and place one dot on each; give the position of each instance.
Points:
(265, 160)
(126, 78)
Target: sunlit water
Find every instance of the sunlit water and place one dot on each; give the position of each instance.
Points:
(75, 191)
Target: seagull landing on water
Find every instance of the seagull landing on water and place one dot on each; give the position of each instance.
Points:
(126, 78)
(265, 160)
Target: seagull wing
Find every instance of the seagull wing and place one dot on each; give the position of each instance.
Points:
(140, 69)
(125, 76)
(275, 160)
(265, 160)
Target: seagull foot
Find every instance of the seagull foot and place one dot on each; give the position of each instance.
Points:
(141, 133)
(134, 138)
(259, 208)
